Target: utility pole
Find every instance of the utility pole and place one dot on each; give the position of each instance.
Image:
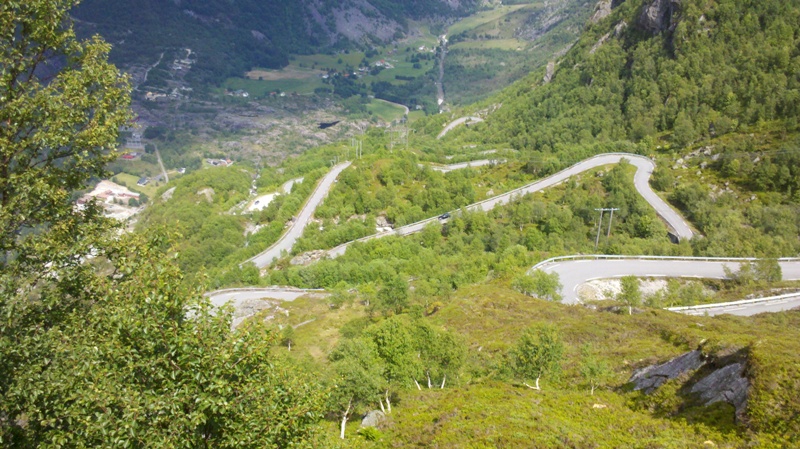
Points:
(600, 224)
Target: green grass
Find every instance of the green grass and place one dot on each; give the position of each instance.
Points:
(413, 116)
(130, 181)
(328, 61)
(322, 333)
(498, 44)
(496, 414)
(483, 18)
(385, 110)
(261, 88)
(486, 406)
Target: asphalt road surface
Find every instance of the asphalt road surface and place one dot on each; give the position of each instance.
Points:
(573, 273)
(221, 297)
(286, 242)
(644, 168)
(457, 122)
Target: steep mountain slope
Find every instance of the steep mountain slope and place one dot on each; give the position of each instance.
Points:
(229, 37)
(692, 69)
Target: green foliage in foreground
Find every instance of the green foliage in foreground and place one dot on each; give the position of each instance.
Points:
(486, 404)
(103, 342)
(538, 353)
(150, 363)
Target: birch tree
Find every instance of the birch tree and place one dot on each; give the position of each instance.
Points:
(358, 379)
(539, 352)
(441, 353)
(594, 370)
(631, 294)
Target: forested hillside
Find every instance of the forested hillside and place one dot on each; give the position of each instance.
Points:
(662, 72)
(232, 37)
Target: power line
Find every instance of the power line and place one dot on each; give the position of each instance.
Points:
(600, 223)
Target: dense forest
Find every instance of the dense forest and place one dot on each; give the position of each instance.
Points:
(709, 69)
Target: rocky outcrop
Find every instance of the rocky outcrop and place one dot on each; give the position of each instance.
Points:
(373, 419)
(659, 15)
(307, 258)
(599, 43)
(601, 11)
(551, 70)
(727, 384)
(648, 379)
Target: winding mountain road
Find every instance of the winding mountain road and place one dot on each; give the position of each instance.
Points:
(457, 122)
(572, 272)
(644, 168)
(286, 242)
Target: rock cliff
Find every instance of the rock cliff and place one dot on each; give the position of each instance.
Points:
(659, 15)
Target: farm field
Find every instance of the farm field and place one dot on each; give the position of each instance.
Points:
(493, 44)
(128, 180)
(385, 110)
(305, 73)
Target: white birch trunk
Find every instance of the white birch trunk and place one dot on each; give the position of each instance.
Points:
(417, 384)
(537, 383)
(429, 379)
(388, 404)
(290, 346)
(380, 401)
(344, 418)
(443, 381)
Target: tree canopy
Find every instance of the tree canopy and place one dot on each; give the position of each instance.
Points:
(104, 341)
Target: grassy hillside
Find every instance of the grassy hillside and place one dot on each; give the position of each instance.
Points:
(487, 405)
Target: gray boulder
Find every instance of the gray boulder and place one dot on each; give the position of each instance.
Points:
(727, 384)
(648, 379)
(373, 419)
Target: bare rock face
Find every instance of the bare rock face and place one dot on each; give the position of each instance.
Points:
(601, 11)
(658, 15)
(373, 419)
(727, 384)
(551, 70)
(650, 378)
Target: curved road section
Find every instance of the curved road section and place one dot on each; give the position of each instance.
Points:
(573, 273)
(286, 242)
(457, 122)
(644, 168)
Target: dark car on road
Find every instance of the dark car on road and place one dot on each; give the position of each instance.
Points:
(444, 216)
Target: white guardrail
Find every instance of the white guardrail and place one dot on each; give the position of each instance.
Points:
(722, 305)
(686, 258)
